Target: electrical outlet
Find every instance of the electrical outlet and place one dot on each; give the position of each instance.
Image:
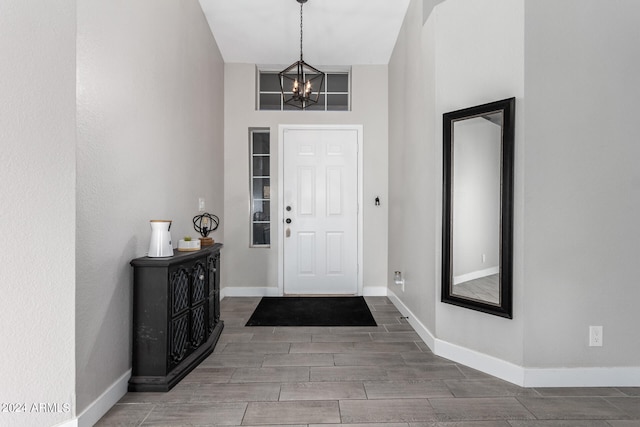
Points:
(595, 336)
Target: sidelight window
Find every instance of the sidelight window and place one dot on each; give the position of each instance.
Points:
(259, 149)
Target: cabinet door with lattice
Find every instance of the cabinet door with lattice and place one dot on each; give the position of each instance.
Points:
(178, 346)
(199, 281)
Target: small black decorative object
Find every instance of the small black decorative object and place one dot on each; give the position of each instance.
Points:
(204, 224)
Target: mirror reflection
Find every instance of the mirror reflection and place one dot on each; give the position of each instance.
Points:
(477, 230)
(476, 213)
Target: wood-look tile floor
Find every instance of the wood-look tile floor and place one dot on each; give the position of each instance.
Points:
(383, 376)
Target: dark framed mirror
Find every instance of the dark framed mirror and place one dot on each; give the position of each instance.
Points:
(477, 223)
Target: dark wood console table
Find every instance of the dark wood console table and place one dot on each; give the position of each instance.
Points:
(176, 316)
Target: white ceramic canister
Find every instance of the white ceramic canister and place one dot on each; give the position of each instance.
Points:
(160, 244)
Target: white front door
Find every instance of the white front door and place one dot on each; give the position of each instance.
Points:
(320, 209)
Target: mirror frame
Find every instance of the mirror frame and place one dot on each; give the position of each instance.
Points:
(505, 306)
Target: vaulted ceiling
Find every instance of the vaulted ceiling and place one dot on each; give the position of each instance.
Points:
(336, 32)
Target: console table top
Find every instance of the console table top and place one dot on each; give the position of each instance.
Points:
(178, 256)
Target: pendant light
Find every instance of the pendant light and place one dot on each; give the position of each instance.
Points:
(300, 83)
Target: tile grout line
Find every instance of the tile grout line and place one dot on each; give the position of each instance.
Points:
(147, 416)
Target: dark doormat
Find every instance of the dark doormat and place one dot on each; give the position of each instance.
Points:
(312, 311)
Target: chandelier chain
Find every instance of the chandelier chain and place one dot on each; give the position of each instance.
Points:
(305, 81)
(301, 31)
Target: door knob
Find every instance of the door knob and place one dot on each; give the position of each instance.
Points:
(288, 220)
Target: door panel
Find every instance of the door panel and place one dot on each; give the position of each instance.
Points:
(334, 191)
(335, 253)
(321, 227)
(306, 254)
(306, 191)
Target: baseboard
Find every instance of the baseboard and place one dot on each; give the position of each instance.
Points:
(524, 377)
(475, 275)
(247, 291)
(374, 291)
(102, 404)
(420, 328)
(482, 362)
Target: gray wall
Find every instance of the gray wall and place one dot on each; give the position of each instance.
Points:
(454, 74)
(479, 58)
(37, 208)
(414, 169)
(577, 199)
(582, 228)
(150, 143)
(369, 109)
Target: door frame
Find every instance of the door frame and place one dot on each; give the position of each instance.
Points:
(280, 219)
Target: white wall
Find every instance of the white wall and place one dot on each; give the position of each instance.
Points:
(37, 209)
(150, 130)
(256, 269)
(582, 179)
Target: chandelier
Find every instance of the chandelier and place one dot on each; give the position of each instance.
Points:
(300, 83)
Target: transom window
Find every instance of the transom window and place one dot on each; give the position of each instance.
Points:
(334, 95)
